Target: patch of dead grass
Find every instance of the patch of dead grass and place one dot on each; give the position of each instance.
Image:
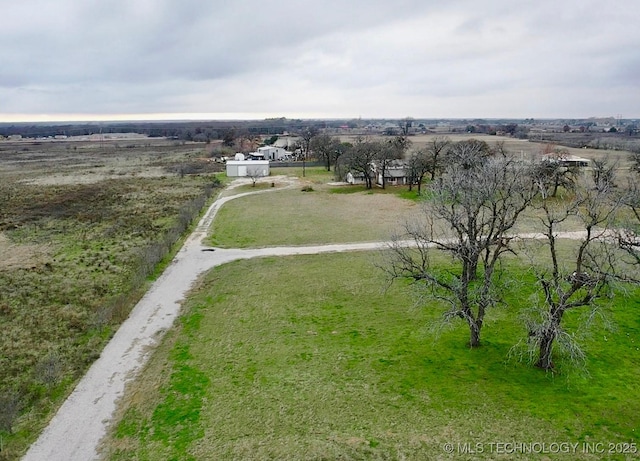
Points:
(16, 256)
(93, 177)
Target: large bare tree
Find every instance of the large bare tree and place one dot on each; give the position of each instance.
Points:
(473, 206)
(568, 282)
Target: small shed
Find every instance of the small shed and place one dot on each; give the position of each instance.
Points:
(243, 168)
(355, 178)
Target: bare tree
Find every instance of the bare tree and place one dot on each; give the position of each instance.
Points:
(401, 143)
(326, 148)
(419, 165)
(580, 281)
(254, 173)
(603, 172)
(474, 205)
(552, 173)
(306, 136)
(628, 231)
(360, 157)
(341, 168)
(50, 370)
(469, 154)
(405, 125)
(436, 148)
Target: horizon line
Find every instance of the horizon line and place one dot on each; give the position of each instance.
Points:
(244, 116)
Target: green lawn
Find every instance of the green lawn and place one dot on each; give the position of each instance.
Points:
(314, 174)
(328, 214)
(293, 217)
(309, 358)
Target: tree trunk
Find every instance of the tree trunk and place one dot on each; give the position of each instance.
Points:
(546, 343)
(473, 270)
(475, 326)
(474, 329)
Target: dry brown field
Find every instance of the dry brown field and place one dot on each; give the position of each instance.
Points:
(84, 226)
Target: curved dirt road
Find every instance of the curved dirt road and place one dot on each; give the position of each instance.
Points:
(81, 422)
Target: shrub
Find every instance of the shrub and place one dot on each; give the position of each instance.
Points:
(10, 404)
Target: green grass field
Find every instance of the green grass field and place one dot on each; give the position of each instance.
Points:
(309, 358)
(293, 217)
(337, 214)
(313, 175)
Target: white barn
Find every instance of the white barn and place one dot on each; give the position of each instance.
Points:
(242, 168)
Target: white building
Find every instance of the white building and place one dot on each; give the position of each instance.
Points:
(242, 168)
(274, 153)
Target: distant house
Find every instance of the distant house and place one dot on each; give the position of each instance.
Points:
(244, 168)
(396, 174)
(567, 160)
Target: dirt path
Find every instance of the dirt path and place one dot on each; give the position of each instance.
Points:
(77, 428)
(75, 431)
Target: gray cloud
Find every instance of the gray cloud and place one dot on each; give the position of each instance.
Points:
(303, 58)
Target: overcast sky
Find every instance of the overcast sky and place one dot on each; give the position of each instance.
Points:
(97, 59)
